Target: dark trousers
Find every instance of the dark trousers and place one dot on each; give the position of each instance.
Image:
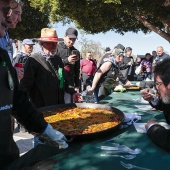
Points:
(87, 80)
(107, 87)
(147, 75)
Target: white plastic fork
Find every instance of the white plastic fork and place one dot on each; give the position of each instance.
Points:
(121, 156)
(130, 166)
(153, 95)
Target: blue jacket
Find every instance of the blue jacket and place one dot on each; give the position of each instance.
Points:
(6, 44)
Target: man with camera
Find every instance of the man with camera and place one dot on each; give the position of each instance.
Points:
(71, 59)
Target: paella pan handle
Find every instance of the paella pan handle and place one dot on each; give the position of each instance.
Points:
(69, 139)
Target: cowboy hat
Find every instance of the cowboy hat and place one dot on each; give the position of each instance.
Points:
(49, 35)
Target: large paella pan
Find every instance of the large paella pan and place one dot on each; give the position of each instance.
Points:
(90, 122)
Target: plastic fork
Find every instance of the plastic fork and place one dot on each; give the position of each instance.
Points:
(153, 95)
(130, 166)
(121, 156)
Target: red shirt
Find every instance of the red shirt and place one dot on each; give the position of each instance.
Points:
(88, 66)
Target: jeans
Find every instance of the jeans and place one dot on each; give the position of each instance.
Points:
(96, 93)
(147, 75)
(68, 98)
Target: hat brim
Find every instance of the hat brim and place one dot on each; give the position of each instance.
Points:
(38, 39)
(72, 36)
(28, 44)
(48, 40)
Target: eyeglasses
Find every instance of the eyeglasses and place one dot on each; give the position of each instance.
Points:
(158, 84)
(14, 3)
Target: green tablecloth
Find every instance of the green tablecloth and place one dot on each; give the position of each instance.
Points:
(86, 155)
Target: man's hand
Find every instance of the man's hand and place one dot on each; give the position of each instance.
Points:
(147, 94)
(20, 73)
(76, 89)
(72, 58)
(130, 63)
(77, 97)
(138, 84)
(128, 83)
(150, 123)
(90, 91)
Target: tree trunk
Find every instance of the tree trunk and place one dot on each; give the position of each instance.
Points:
(153, 28)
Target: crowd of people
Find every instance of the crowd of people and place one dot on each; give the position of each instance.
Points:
(147, 65)
(56, 75)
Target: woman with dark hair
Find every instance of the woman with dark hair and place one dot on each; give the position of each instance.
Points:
(147, 66)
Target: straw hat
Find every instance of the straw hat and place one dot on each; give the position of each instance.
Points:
(49, 35)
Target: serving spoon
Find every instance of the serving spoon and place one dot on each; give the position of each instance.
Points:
(121, 156)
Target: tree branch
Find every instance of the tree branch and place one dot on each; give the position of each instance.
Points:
(166, 24)
(150, 26)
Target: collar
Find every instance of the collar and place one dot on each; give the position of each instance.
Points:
(45, 55)
(111, 59)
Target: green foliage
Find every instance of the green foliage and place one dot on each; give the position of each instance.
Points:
(92, 16)
(91, 46)
(32, 22)
(96, 16)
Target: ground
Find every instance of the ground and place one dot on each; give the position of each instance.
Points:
(23, 140)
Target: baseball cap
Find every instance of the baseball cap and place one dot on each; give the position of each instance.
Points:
(71, 33)
(120, 46)
(117, 52)
(128, 49)
(28, 41)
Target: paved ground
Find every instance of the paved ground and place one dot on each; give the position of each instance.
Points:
(23, 140)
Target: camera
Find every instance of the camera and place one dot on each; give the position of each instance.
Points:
(75, 52)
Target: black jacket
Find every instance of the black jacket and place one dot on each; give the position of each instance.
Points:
(20, 58)
(14, 102)
(124, 67)
(42, 83)
(112, 73)
(158, 134)
(74, 69)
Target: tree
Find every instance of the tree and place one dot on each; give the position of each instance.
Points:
(32, 22)
(121, 16)
(91, 46)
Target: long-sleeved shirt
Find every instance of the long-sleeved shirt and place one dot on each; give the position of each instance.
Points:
(6, 44)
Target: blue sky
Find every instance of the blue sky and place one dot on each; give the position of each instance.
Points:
(140, 43)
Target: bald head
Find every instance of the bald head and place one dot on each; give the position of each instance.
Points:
(160, 51)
